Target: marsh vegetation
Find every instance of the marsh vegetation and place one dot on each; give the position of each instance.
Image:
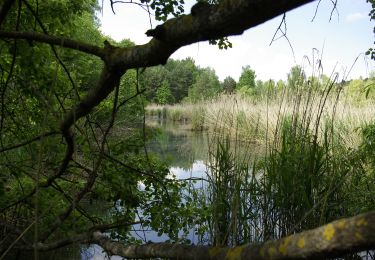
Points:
(281, 158)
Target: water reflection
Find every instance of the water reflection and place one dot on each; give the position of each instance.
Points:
(186, 152)
(197, 170)
(177, 145)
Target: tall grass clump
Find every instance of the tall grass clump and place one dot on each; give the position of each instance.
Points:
(307, 173)
(198, 118)
(175, 113)
(309, 168)
(232, 192)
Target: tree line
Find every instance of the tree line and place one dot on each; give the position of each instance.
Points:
(184, 81)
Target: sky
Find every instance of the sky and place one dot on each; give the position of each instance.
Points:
(338, 40)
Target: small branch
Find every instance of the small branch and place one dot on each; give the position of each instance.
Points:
(13, 229)
(37, 138)
(70, 199)
(105, 227)
(63, 166)
(73, 205)
(84, 238)
(81, 238)
(92, 176)
(55, 40)
(113, 159)
(334, 3)
(44, 29)
(283, 32)
(143, 6)
(316, 10)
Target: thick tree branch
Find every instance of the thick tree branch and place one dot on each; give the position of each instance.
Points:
(227, 18)
(334, 239)
(59, 41)
(230, 17)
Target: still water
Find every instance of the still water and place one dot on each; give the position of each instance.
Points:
(185, 152)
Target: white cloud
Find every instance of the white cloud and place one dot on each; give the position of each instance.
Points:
(354, 17)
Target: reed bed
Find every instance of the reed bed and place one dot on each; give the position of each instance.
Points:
(257, 120)
(315, 168)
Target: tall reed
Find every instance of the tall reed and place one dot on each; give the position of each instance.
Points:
(307, 174)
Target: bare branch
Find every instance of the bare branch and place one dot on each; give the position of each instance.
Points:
(143, 6)
(55, 40)
(316, 10)
(283, 30)
(334, 8)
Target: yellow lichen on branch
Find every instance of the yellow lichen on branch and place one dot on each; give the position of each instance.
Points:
(334, 239)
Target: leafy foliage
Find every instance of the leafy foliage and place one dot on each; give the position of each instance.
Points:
(164, 8)
(164, 95)
(229, 85)
(207, 86)
(247, 78)
(179, 74)
(371, 51)
(39, 83)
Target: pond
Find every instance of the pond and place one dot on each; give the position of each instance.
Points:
(186, 153)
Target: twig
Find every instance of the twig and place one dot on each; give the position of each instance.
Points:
(283, 32)
(37, 138)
